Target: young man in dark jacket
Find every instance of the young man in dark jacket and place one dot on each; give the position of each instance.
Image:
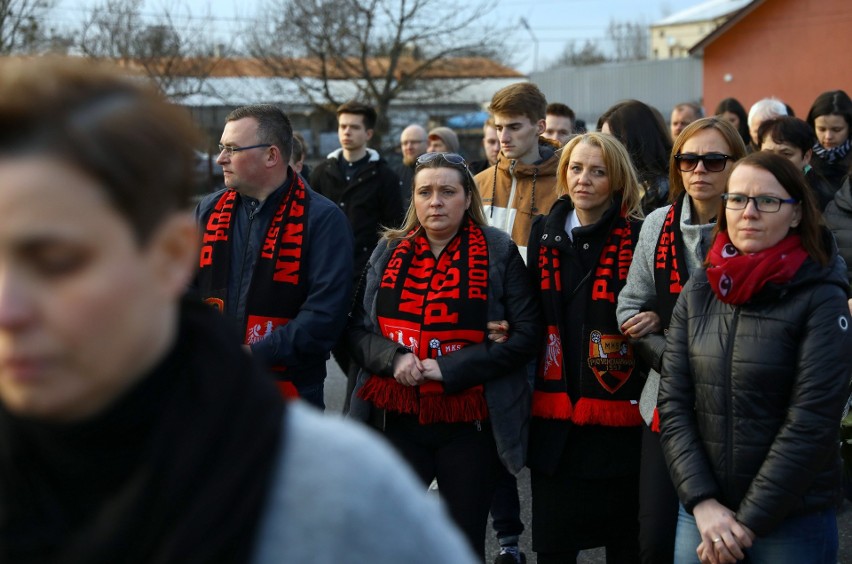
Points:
(364, 187)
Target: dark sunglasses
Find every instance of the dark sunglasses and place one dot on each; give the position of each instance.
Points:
(713, 162)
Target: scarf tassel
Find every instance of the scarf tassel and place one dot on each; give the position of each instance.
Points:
(382, 393)
(551, 405)
(655, 421)
(460, 408)
(609, 413)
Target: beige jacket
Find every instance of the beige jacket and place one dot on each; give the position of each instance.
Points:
(513, 193)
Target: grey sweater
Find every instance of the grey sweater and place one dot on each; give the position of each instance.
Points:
(341, 495)
(640, 288)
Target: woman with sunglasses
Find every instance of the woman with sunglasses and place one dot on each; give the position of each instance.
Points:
(673, 242)
(755, 377)
(453, 402)
(584, 436)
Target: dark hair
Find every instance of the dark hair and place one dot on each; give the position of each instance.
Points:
(559, 109)
(358, 108)
(793, 181)
(112, 127)
(521, 99)
(725, 129)
(789, 130)
(833, 102)
(696, 109)
(643, 133)
(299, 148)
(733, 106)
(273, 126)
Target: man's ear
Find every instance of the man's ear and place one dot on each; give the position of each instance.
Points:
(542, 126)
(370, 134)
(172, 254)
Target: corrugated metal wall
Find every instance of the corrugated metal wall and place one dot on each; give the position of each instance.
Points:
(589, 91)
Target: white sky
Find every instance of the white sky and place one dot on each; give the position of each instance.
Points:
(553, 22)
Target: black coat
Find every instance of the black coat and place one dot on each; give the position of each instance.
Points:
(838, 217)
(594, 450)
(371, 200)
(751, 396)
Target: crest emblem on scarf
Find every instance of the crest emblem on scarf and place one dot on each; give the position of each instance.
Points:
(611, 359)
(552, 361)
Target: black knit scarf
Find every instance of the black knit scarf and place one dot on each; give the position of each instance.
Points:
(278, 286)
(433, 307)
(176, 470)
(670, 272)
(607, 392)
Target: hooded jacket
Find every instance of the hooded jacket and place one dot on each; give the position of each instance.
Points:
(751, 396)
(513, 193)
(372, 199)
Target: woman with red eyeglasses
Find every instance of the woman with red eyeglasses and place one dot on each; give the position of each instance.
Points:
(673, 242)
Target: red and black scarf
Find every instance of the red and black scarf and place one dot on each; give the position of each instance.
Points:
(606, 392)
(433, 307)
(670, 272)
(278, 286)
(735, 278)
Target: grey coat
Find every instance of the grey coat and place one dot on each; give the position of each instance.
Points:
(500, 367)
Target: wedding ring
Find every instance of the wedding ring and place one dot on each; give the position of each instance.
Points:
(717, 540)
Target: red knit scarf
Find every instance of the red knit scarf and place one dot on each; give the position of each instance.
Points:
(735, 278)
(278, 287)
(433, 307)
(607, 393)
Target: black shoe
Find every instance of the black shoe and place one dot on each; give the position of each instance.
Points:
(509, 558)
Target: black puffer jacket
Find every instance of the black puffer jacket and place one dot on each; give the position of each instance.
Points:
(838, 217)
(751, 396)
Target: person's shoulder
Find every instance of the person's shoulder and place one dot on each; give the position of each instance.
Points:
(340, 493)
(208, 201)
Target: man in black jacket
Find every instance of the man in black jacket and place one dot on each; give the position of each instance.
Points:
(362, 184)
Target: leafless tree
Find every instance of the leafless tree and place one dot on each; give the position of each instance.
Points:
(573, 56)
(630, 40)
(385, 49)
(178, 61)
(21, 25)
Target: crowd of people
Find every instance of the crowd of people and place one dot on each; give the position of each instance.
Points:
(653, 319)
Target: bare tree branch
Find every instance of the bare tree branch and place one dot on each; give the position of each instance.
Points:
(375, 50)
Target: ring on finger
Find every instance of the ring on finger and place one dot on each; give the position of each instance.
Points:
(718, 539)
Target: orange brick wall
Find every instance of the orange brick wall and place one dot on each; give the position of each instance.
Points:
(791, 49)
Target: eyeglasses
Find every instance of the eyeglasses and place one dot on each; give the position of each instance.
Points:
(765, 204)
(230, 149)
(713, 162)
(451, 158)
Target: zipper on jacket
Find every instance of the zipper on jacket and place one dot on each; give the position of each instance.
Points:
(729, 419)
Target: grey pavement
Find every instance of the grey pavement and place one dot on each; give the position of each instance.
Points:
(335, 389)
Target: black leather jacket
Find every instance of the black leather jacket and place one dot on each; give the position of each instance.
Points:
(751, 396)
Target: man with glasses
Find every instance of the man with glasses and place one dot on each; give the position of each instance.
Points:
(276, 257)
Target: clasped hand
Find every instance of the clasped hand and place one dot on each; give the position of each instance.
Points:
(723, 538)
(409, 370)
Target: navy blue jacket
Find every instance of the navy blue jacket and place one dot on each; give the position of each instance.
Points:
(303, 344)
